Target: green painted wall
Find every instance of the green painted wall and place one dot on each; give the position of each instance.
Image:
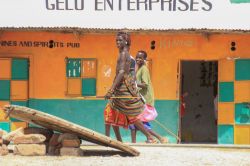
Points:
(20, 69)
(5, 90)
(242, 69)
(88, 86)
(225, 134)
(89, 113)
(5, 126)
(226, 91)
(242, 114)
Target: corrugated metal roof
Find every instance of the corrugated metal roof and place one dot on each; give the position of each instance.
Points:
(110, 30)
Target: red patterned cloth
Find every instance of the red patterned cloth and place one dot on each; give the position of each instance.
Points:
(115, 118)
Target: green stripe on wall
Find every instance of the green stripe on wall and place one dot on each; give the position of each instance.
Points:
(89, 113)
(240, 1)
(168, 116)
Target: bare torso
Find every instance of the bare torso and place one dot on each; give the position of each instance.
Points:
(123, 62)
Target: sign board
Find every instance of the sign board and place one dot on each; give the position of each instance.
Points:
(131, 14)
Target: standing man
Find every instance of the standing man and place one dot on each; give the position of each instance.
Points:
(125, 103)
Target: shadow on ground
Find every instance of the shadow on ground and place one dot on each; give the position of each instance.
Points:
(104, 153)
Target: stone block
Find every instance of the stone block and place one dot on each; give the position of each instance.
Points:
(3, 142)
(47, 146)
(4, 150)
(36, 130)
(67, 136)
(30, 149)
(29, 139)
(75, 143)
(54, 150)
(54, 145)
(10, 136)
(66, 151)
(3, 132)
(54, 140)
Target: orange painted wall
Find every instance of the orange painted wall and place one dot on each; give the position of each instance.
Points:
(47, 65)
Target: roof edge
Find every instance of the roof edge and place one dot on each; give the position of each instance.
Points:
(110, 30)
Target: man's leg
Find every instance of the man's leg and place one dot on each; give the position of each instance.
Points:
(155, 134)
(158, 136)
(107, 130)
(133, 135)
(117, 133)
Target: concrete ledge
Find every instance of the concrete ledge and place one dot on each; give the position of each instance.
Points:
(180, 145)
(90, 145)
(193, 145)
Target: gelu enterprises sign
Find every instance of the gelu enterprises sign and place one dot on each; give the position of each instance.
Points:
(132, 5)
(132, 14)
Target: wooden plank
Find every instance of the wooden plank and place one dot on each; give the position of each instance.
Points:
(52, 122)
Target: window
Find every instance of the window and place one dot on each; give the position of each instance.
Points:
(81, 76)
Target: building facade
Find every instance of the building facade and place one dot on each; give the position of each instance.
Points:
(61, 71)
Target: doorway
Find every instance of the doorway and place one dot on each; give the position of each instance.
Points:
(198, 101)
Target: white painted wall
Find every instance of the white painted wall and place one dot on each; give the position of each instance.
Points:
(33, 13)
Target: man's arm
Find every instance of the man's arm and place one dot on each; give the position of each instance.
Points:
(119, 75)
(142, 85)
(145, 77)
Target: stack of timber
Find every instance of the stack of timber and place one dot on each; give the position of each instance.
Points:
(67, 139)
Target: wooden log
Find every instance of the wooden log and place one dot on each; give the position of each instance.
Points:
(55, 123)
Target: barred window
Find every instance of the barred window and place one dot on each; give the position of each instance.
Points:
(81, 76)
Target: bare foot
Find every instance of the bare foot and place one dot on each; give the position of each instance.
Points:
(164, 140)
(151, 141)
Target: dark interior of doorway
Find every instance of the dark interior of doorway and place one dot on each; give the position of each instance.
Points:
(198, 106)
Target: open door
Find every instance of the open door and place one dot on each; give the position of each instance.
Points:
(198, 91)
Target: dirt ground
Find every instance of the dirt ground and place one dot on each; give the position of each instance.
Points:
(150, 155)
